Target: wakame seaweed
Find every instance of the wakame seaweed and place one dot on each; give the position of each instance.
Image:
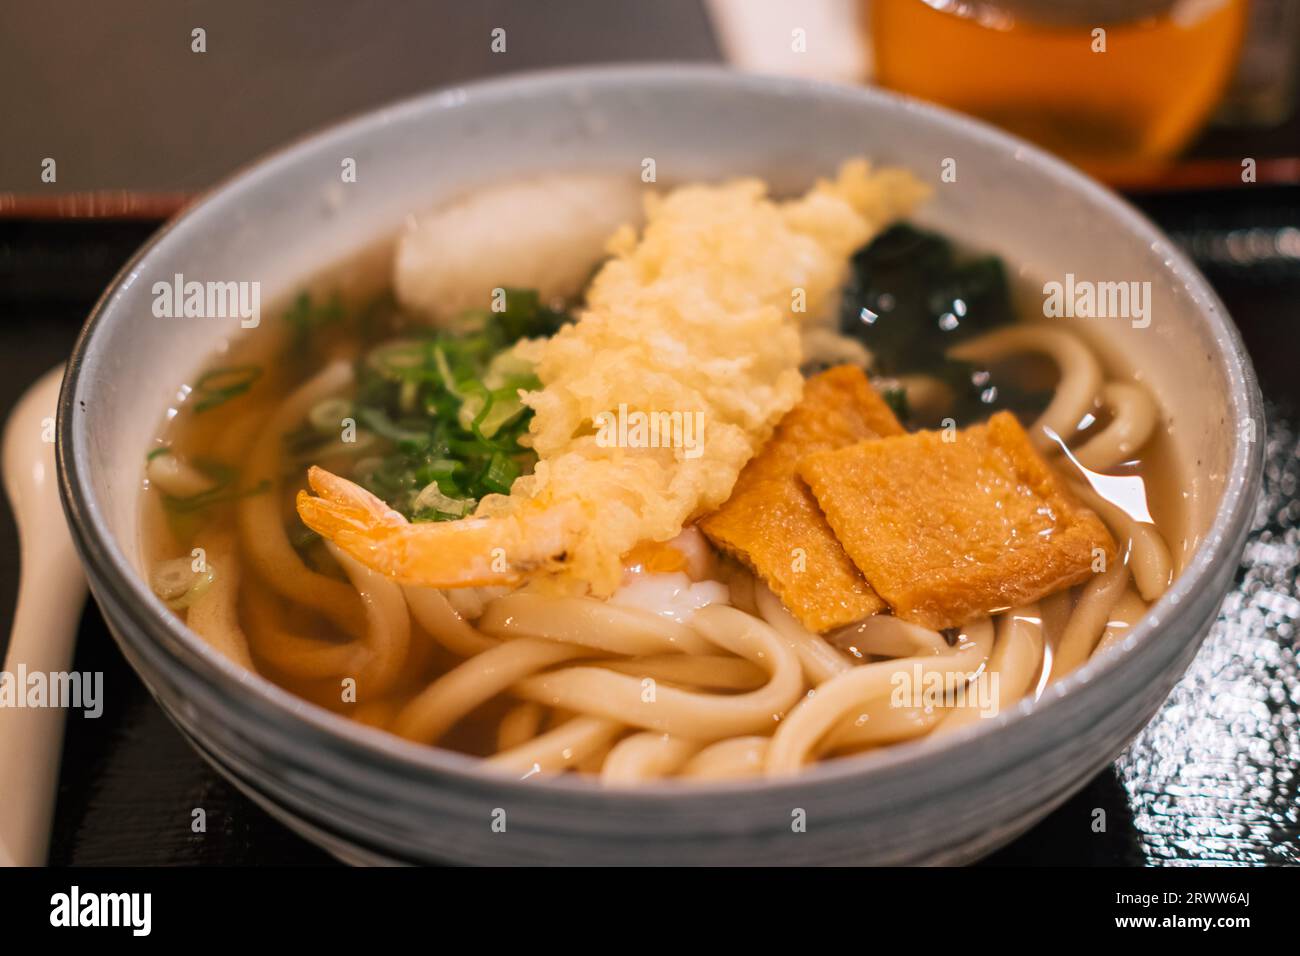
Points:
(447, 406)
(910, 298)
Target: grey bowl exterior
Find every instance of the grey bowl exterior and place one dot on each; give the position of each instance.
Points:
(370, 797)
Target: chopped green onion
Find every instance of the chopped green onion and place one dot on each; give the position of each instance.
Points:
(447, 404)
(408, 396)
(220, 385)
(432, 500)
(222, 489)
(501, 473)
(444, 371)
(503, 410)
(306, 318)
(320, 451)
(507, 367)
(439, 470)
(377, 420)
(200, 502)
(476, 405)
(327, 416)
(399, 360)
(174, 477)
(471, 322)
(177, 583)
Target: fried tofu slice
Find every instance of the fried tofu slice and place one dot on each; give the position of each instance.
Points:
(947, 531)
(773, 525)
(776, 529)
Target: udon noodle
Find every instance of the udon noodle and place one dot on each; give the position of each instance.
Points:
(695, 673)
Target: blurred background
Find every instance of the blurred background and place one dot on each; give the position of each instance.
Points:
(167, 96)
(114, 116)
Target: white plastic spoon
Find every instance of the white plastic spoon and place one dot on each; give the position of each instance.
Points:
(51, 589)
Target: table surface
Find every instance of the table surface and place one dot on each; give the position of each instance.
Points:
(1212, 780)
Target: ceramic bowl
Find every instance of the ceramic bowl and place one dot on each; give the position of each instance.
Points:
(371, 797)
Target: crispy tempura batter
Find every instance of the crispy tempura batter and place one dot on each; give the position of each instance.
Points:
(947, 531)
(772, 522)
(696, 317)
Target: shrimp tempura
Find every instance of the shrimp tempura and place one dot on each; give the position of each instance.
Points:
(700, 317)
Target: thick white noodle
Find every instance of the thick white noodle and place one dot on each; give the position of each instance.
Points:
(709, 671)
(734, 691)
(819, 659)
(433, 711)
(804, 727)
(645, 756)
(706, 717)
(728, 759)
(884, 635)
(441, 621)
(1091, 612)
(520, 724)
(1016, 659)
(559, 749)
(598, 624)
(262, 532)
(388, 628)
(214, 616)
(1133, 417)
(1128, 610)
(1141, 542)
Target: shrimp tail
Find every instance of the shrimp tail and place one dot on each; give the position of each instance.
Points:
(343, 508)
(471, 552)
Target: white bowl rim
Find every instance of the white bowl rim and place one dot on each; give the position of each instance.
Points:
(110, 567)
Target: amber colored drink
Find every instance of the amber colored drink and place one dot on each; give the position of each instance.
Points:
(1118, 102)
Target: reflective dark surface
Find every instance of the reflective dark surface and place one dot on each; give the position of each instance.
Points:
(1214, 777)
